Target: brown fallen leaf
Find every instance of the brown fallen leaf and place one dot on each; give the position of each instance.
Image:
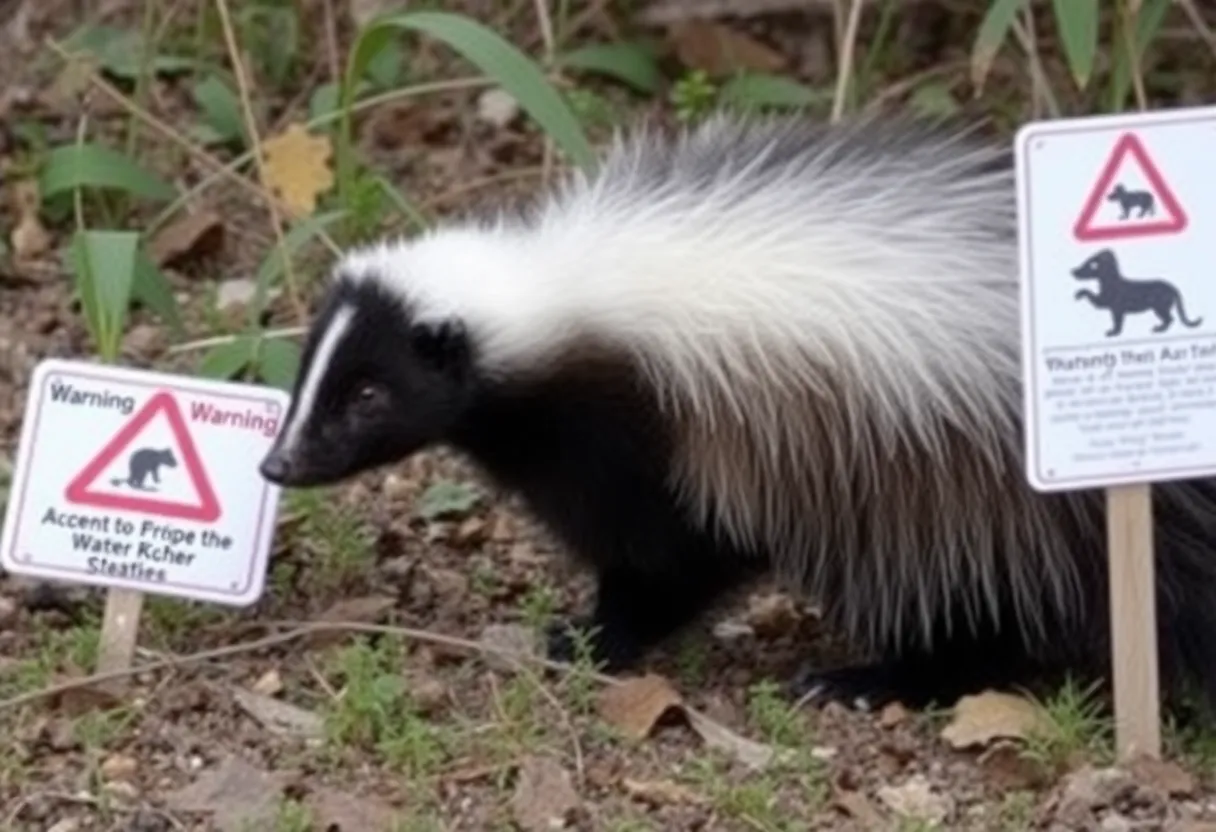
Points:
(297, 168)
(29, 238)
(719, 50)
(636, 705)
(772, 614)
(236, 794)
(916, 799)
(544, 795)
(984, 717)
(280, 717)
(1165, 776)
(338, 811)
(854, 802)
(661, 792)
(269, 683)
(192, 236)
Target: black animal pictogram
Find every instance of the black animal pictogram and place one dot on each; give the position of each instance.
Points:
(1124, 296)
(145, 463)
(1143, 200)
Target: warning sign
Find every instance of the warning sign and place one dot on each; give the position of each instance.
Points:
(142, 480)
(1119, 307)
(1130, 198)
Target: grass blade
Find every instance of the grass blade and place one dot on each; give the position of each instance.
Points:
(632, 63)
(150, 287)
(990, 37)
(95, 166)
(756, 90)
(1078, 24)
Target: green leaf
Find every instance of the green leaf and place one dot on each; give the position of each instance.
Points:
(279, 362)
(759, 89)
(228, 359)
(92, 165)
(632, 63)
(221, 109)
(1078, 24)
(990, 37)
(120, 52)
(151, 288)
(514, 71)
(446, 499)
(103, 262)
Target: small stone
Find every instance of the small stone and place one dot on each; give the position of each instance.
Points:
(119, 767)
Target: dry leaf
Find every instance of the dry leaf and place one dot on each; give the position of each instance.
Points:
(854, 802)
(1165, 776)
(917, 799)
(984, 717)
(269, 683)
(503, 642)
(636, 705)
(660, 792)
(337, 811)
(754, 755)
(297, 168)
(196, 235)
(237, 795)
(544, 795)
(771, 614)
(28, 238)
(280, 717)
(719, 50)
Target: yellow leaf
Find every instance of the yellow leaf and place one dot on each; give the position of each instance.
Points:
(297, 168)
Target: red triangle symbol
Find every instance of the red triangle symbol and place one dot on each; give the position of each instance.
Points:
(81, 490)
(1132, 204)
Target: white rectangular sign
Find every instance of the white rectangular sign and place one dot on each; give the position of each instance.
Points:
(143, 480)
(1117, 226)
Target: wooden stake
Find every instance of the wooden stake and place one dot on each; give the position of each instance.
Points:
(119, 630)
(1133, 614)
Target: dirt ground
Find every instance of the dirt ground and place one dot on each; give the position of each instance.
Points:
(239, 720)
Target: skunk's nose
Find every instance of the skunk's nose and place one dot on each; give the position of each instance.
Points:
(275, 467)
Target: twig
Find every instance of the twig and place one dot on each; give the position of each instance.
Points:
(217, 340)
(1205, 31)
(299, 630)
(844, 70)
(251, 127)
(545, 21)
(1025, 36)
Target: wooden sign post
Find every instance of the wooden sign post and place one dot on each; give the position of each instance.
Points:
(142, 482)
(1117, 227)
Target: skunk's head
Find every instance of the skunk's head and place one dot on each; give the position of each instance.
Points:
(377, 382)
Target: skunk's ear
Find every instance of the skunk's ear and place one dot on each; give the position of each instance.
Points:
(443, 343)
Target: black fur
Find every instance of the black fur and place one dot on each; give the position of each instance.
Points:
(586, 448)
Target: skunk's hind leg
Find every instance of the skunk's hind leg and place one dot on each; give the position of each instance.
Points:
(636, 608)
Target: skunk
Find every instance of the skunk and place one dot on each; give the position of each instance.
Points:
(764, 346)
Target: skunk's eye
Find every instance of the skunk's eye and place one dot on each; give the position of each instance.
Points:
(369, 394)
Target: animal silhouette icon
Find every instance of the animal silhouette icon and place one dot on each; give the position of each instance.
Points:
(146, 463)
(1123, 296)
(1128, 200)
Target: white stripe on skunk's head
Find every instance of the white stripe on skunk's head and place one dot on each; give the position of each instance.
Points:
(377, 382)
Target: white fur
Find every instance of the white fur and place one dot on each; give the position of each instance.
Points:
(885, 282)
(318, 367)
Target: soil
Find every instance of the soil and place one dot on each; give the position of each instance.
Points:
(395, 722)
